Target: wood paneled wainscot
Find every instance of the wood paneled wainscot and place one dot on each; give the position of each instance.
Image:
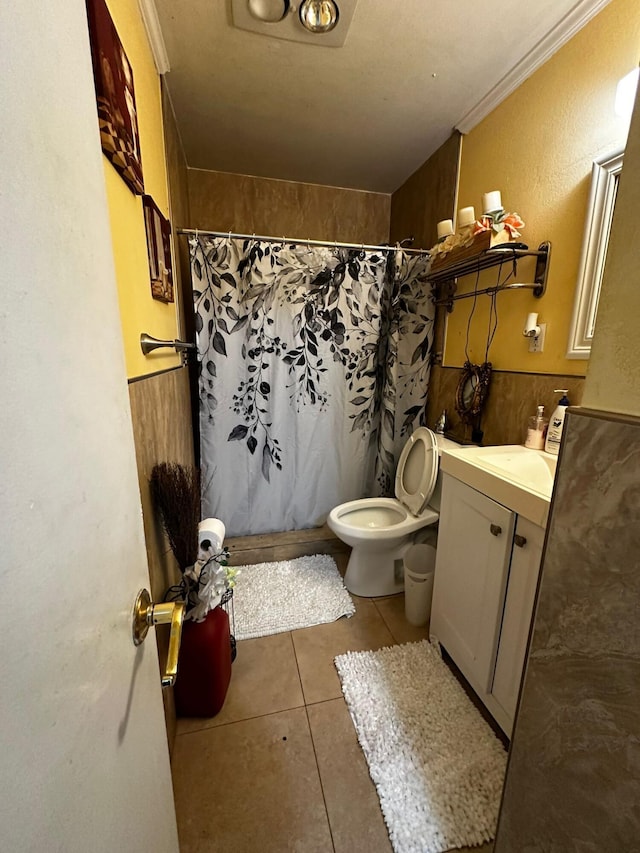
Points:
(161, 419)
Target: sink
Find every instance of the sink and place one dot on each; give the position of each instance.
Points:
(515, 476)
(534, 469)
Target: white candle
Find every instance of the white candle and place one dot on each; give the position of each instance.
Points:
(445, 228)
(492, 201)
(466, 216)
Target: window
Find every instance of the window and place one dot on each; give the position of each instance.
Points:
(602, 199)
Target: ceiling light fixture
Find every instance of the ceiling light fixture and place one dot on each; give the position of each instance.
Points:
(319, 16)
(269, 11)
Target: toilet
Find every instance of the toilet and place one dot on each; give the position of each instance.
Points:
(381, 530)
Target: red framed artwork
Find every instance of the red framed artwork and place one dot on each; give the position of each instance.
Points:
(158, 230)
(115, 95)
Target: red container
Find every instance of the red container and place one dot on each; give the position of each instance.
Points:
(204, 666)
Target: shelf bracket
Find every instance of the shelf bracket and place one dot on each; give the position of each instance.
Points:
(542, 269)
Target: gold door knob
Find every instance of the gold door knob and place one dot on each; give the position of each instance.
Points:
(145, 614)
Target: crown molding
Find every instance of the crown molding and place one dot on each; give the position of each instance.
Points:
(154, 34)
(572, 22)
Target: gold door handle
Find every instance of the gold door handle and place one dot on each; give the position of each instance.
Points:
(145, 614)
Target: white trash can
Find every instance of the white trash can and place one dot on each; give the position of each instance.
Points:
(419, 568)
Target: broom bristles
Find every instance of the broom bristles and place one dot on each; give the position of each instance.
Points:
(176, 493)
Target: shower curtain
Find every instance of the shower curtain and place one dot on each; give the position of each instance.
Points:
(313, 370)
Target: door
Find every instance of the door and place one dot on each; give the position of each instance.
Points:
(516, 622)
(472, 563)
(84, 755)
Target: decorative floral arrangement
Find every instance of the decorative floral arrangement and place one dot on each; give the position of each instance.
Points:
(499, 221)
(451, 241)
(206, 584)
(207, 580)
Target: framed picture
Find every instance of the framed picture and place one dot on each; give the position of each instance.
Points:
(159, 250)
(115, 95)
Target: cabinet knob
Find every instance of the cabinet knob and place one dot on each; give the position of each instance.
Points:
(495, 529)
(519, 540)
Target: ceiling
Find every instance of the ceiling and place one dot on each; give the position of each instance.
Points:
(365, 115)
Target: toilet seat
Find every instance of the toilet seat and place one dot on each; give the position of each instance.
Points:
(377, 519)
(417, 471)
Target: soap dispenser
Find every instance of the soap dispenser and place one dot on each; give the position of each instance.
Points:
(536, 430)
(441, 424)
(554, 433)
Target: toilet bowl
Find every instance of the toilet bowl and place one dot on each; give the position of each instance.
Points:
(380, 530)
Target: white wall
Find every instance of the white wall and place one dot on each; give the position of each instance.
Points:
(84, 764)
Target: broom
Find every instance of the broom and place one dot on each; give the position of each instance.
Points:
(175, 490)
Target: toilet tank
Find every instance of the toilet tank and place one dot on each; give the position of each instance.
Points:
(443, 444)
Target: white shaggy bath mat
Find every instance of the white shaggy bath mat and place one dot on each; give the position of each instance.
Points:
(273, 597)
(437, 766)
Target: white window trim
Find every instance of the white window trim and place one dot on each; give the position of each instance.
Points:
(602, 199)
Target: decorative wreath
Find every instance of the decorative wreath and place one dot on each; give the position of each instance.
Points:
(472, 391)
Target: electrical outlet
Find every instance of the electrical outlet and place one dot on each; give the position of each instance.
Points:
(536, 344)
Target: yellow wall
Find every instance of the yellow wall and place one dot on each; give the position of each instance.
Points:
(537, 147)
(138, 311)
(613, 383)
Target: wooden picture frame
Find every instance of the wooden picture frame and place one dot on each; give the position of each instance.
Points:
(115, 95)
(158, 229)
(472, 390)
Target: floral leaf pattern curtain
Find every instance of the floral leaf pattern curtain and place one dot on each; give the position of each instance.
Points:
(406, 365)
(314, 363)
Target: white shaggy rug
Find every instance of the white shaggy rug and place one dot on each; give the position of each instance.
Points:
(273, 597)
(437, 766)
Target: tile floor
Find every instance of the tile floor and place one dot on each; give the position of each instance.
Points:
(280, 767)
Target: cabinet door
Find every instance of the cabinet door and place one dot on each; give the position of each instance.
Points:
(518, 610)
(472, 563)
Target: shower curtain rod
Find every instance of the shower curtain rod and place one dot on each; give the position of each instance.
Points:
(330, 244)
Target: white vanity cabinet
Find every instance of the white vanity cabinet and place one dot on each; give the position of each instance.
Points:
(487, 565)
(516, 619)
